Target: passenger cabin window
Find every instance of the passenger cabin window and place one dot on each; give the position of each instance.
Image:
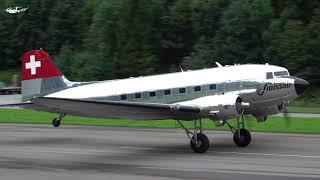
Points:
(213, 86)
(269, 75)
(137, 95)
(167, 92)
(123, 97)
(197, 88)
(152, 94)
(281, 73)
(182, 90)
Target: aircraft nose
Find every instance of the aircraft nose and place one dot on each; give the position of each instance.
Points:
(300, 85)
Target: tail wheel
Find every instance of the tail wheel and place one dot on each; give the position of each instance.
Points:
(201, 145)
(56, 122)
(242, 137)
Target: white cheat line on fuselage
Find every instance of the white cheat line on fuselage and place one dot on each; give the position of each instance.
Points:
(220, 94)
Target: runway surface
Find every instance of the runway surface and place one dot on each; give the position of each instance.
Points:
(78, 152)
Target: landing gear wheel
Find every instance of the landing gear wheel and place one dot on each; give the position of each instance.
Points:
(202, 144)
(244, 139)
(56, 122)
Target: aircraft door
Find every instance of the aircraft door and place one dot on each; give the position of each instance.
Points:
(269, 77)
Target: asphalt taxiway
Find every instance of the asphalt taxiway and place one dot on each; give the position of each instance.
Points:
(79, 152)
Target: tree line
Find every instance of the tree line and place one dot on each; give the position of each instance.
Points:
(106, 39)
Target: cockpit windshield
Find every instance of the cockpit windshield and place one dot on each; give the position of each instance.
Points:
(281, 73)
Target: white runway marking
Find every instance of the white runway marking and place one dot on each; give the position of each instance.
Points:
(227, 152)
(91, 151)
(161, 149)
(265, 154)
(54, 150)
(237, 171)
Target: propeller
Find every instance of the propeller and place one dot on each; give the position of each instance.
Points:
(284, 110)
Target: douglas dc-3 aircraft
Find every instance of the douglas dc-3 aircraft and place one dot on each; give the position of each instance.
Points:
(219, 94)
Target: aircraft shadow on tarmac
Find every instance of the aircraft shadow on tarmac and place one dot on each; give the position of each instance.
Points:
(182, 147)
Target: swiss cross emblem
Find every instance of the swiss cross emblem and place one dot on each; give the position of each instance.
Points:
(33, 65)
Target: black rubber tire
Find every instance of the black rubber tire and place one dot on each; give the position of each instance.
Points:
(203, 143)
(56, 122)
(245, 138)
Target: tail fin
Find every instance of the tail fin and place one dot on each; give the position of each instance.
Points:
(40, 76)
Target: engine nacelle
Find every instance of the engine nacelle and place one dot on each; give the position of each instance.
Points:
(228, 106)
(218, 107)
(261, 113)
(261, 118)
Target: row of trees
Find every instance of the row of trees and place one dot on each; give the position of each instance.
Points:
(104, 39)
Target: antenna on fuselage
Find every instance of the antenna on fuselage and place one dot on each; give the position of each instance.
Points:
(218, 64)
(181, 69)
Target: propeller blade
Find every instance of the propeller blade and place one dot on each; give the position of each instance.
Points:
(286, 115)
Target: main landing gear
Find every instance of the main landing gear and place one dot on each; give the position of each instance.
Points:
(199, 142)
(57, 121)
(241, 136)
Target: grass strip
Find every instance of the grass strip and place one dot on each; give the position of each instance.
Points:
(273, 124)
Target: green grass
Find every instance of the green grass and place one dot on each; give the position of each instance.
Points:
(273, 124)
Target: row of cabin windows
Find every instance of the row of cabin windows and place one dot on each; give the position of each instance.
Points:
(168, 92)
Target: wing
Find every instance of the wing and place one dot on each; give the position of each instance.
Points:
(116, 109)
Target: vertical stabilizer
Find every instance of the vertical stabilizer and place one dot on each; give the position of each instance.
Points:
(40, 76)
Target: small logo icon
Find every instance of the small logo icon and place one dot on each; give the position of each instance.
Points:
(15, 10)
(33, 65)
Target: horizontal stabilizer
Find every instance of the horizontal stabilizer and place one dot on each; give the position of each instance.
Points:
(22, 104)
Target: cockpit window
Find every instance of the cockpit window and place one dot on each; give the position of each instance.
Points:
(269, 75)
(281, 73)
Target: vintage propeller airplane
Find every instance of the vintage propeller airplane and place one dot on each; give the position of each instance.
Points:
(220, 94)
